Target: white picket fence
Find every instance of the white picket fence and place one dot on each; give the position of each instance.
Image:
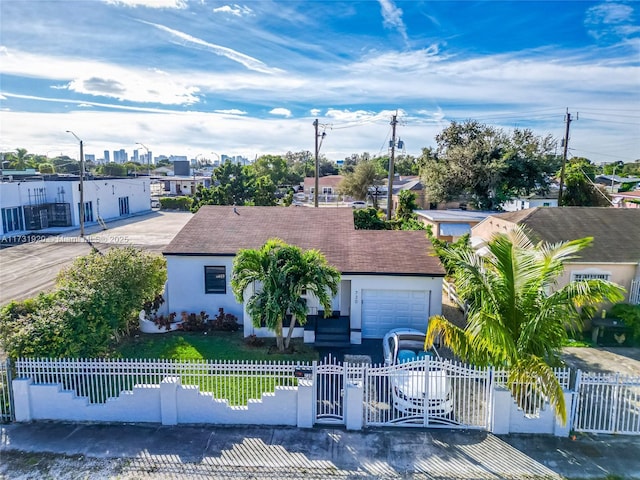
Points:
(429, 392)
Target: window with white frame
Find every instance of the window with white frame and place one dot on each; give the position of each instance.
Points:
(590, 275)
(327, 191)
(12, 219)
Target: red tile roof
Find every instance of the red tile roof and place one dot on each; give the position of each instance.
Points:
(223, 230)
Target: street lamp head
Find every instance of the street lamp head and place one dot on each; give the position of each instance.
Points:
(77, 138)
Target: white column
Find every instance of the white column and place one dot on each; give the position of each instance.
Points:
(500, 411)
(305, 403)
(22, 399)
(169, 400)
(354, 406)
(559, 429)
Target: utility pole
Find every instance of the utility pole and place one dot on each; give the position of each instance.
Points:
(394, 122)
(317, 174)
(568, 121)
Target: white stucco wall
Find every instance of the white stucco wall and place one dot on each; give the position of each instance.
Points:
(185, 286)
(169, 403)
(104, 194)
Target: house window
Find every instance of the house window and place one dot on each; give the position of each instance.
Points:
(215, 280)
(12, 219)
(327, 191)
(579, 276)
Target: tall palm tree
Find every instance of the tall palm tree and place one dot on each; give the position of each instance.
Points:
(280, 273)
(517, 319)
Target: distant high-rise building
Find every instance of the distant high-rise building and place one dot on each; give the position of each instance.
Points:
(106, 156)
(89, 157)
(120, 156)
(135, 155)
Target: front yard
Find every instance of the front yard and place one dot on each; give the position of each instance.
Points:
(209, 346)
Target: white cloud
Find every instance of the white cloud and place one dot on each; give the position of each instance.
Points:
(392, 16)
(283, 112)
(236, 10)
(611, 20)
(85, 105)
(178, 4)
(315, 112)
(101, 79)
(232, 111)
(245, 60)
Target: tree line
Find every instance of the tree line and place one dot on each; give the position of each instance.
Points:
(473, 162)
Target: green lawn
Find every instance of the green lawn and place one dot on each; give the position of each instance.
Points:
(212, 346)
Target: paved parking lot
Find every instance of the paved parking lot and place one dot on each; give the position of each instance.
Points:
(27, 269)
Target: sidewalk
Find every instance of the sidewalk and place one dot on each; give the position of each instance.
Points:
(140, 451)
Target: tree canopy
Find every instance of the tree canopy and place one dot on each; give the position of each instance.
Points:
(357, 184)
(487, 165)
(579, 189)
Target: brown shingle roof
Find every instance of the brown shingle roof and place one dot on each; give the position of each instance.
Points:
(615, 231)
(218, 230)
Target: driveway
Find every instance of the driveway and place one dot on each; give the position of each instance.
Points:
(30, 268)
(603, 360)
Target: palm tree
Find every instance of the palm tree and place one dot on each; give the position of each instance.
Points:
(282, 272)
(517, 319)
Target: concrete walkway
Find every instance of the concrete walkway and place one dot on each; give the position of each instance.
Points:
(136, 451)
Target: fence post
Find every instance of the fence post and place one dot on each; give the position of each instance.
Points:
(306, 399)
(353, 400)
(169, 400)
(22, 400)
(560, 430)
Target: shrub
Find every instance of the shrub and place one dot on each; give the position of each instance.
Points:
(195, 322)
(630, 315)
(96, 298)
(225, 321)
(176, 203)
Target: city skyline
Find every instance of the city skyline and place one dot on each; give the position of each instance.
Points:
(200, 77)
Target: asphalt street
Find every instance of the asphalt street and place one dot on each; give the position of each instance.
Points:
(29, 268)
(139, 451)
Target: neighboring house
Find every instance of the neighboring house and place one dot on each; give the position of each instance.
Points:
(449, 225)
(614, 254)
(327, 187)
(411, 183)
(389, 278)
(613, 182)
(626, 199)
(53, 202)
(531, 201)
(184, 185)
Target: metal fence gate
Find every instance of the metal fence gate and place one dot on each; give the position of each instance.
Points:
(607, 403)
(428, 393)
(6, 397)
(329, 381)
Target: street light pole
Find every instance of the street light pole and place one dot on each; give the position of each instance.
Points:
(81, 184)
(148, 159)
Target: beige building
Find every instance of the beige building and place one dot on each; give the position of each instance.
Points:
(614, 254)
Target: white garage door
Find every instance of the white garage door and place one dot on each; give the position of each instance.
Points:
(383, 310)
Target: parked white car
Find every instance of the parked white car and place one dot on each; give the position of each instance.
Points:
(412, 386)
(358, 204)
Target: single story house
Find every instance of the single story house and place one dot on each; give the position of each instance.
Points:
(389, 278)
(450, 225)
(531, 201)
(614, 254)
(626, 199)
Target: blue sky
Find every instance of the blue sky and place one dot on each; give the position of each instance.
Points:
(201, 77)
